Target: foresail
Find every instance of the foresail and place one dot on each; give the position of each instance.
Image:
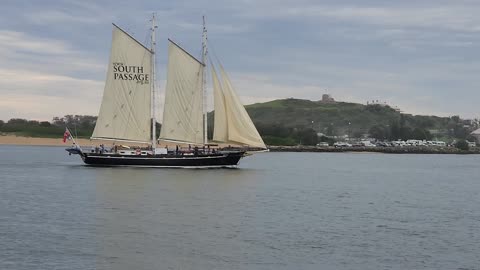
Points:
(240, 126)
(183, 109)
(220, 130)
(125, 113)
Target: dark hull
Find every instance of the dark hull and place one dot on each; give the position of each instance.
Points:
(169, 161)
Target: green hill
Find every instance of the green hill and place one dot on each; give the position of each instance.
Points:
(295, 118)
(300, 114)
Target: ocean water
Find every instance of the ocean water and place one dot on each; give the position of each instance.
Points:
(277, 211)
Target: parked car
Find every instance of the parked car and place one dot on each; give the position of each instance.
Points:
(399, 143)
(384, 144)
(342, 144)
(439, 143)
(322, 144)
(367, 144)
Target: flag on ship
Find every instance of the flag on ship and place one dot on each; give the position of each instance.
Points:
(67, 135)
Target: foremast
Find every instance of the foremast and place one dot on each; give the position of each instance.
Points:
(204, 84)
(154, 114)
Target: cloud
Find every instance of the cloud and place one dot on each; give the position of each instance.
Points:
(21, 50)
(447, 17)
(39, 80)
(37, 95)
(47, 17)
(215, 28)
(420, 56)
(14, 42)
(43, 108)
(47, 84)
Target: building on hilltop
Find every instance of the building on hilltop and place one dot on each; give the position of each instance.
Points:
(377, 102)
(326, 98)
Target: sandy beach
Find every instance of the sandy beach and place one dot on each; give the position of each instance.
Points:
(19, 140)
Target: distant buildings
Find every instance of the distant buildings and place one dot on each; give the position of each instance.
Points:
(476, 134)
(377, 102)
(383, 104)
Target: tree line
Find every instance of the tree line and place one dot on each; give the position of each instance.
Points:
(405, 128)
(81, 125)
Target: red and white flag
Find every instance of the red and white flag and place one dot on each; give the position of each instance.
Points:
(67, 135)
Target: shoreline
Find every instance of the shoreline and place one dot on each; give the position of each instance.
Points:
(58, 142)
(36, 141)
(379, 150)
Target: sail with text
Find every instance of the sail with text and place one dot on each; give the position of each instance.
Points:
(125, 113)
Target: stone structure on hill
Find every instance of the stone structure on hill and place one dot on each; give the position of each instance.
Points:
(326, 98)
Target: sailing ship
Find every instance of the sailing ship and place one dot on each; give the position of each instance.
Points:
(127, 112)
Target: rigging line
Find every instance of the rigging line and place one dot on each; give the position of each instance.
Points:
(213, 51)
(185, 51)
(130, 36)
(146, 38)
(218, 63)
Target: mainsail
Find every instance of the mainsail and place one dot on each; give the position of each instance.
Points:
(183, 107)
(125, 113)
(232, 122)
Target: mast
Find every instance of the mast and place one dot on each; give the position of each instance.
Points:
(152, 84)
(204, 90)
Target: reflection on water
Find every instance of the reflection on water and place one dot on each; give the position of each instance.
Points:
(277, 211)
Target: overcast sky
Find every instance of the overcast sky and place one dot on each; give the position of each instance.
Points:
(422, 56)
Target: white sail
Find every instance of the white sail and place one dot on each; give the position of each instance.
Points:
(239, 126)
(125, 113)
(183, 109)
(220, 131)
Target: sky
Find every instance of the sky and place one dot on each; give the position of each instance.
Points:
(422, 56)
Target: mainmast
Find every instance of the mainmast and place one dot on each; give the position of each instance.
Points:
(152, 84)
(204, 90)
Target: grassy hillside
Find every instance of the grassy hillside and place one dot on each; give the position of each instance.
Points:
(278, 117)
(300, 114)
